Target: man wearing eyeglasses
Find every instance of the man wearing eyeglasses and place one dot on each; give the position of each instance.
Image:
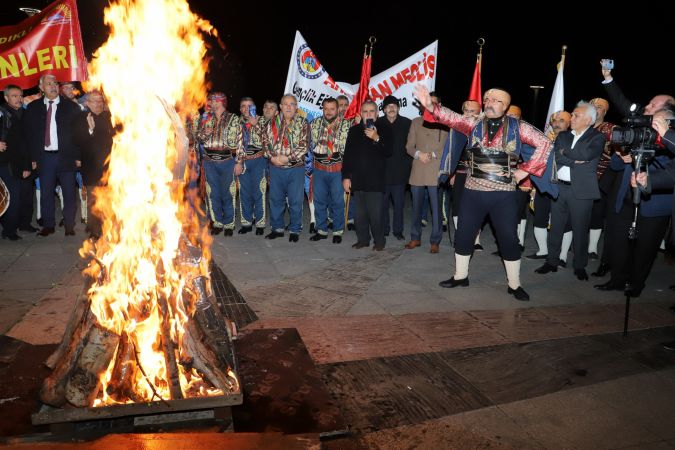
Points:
(495, 144)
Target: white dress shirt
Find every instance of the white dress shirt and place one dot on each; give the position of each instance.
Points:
(564, 172)
(53, 136)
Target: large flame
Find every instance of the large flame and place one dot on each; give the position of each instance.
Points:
(154, 57)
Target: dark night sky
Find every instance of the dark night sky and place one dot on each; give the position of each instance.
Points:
(517, 53)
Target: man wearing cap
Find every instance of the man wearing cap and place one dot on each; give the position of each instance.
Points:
(495, 144)
(224, 154)
(396, 167)
(425, 144)
(328, 137)
(285, 144)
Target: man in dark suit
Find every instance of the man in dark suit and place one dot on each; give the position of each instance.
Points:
(93, 133)
(48, 134)
(577, 153)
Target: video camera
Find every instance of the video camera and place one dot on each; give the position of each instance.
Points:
(638, 133)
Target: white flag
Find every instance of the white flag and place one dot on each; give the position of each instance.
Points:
(557, 98)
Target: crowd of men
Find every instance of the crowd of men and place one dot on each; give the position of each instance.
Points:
(468, 168)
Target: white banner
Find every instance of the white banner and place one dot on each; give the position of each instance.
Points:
(311, 83)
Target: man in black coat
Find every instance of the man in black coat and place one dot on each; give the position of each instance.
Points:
(577, 154)
(47, 129)
(92, 132)
(14, 164)
(397, 166)
(366, 151)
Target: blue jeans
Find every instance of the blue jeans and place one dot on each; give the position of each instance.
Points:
(329, 194)
(252, 192)
(419, 196)
(286, 185)
(221, 190)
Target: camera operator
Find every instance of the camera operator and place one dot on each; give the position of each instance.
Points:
(619, 100)
(630, 270)
(664, 179)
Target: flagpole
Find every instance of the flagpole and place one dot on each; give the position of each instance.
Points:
(562, 57)
(371, 42)
(481, 43)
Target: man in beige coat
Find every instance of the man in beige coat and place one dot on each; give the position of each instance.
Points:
(425, 144)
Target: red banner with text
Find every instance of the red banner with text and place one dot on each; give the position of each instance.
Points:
(47, 43)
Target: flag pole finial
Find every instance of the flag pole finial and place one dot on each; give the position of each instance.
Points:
(371, 42)
(481, 43)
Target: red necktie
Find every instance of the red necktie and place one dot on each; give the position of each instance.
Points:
(48, 124)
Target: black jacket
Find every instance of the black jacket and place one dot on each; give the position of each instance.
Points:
(11, 133)
(94, 148)
(588, 148)
(34, 132)
(364, 158)
(397, 166)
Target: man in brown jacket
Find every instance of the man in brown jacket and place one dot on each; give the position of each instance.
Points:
(425, 144)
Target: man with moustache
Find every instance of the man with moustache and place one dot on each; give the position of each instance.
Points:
(495, 144)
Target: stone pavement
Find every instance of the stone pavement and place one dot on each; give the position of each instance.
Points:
(414, 365)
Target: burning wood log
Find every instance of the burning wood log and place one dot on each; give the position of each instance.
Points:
(53, 391)
(121, 386)
(84, 383)
(78, 315)
(169, 348)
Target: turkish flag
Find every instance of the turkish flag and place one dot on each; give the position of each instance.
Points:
(362, 94)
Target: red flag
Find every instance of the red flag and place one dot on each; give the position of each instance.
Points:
(476, 93)
(362, 93)
(46, 43)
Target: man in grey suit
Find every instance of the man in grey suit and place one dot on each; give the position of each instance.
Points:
(577, 153)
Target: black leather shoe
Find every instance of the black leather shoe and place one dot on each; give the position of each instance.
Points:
(274, 235)
(11, 236)
(519, 294)
(360, 245)
(29, 229)
(244, 230)
(609, 286)
(259, 231)
(535, 256)
(399, 236)
(46, 231)
(593, 255)
(228, 232)
(451, 283)
(668, 345)
(70, 232)
(293, 237)
(318, 237)
(546, 268)
(215, 231)
(351, 227)
(562, 264)
(477, 247)
(337, 239)
(312, 228)
(603, 269)
(581, 274)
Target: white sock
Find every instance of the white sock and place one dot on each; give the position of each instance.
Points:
(311, 212)
(461, 266)
(521, 231)
(454, 220)
(566, 244)
(59, 194)
(38, 215)
(513, 273)
(477, 241)
(540, 235)
(593, 238)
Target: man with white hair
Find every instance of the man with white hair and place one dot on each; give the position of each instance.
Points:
(576, 153)
(494, 147)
